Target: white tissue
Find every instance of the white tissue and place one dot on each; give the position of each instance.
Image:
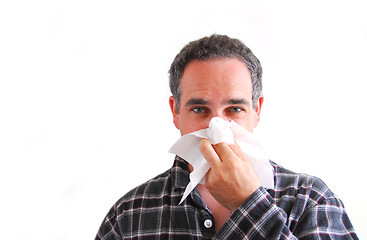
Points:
(188, 148)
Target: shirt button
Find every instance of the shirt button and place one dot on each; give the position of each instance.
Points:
(208, 223)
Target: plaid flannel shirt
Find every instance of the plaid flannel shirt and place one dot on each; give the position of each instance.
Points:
(299, 207)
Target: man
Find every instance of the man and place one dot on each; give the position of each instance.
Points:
(220, 77)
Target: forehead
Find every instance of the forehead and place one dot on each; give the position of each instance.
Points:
(216, 75)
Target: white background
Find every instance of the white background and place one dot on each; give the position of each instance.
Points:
(84, 112)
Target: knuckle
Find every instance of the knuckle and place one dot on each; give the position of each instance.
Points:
(219, 146)
(203, 145)
(237, 163)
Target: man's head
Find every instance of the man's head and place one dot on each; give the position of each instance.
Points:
(215, 46)
(215, 77)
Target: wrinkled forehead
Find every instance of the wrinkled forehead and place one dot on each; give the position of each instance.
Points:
(227, 78)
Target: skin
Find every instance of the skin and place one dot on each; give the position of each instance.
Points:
(220, 88)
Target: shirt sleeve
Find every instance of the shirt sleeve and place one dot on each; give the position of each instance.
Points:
(260, 218)
(107, 230)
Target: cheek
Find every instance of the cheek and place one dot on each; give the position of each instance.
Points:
(247, 124)
(189, 126)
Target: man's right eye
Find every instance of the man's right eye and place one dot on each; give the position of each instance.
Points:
(198, 109)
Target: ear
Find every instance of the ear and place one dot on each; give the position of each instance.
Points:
(258, 110)
(172, 104)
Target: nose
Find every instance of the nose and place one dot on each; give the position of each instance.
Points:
(220, 114)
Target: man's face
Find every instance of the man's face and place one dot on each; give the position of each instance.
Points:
(215, 88)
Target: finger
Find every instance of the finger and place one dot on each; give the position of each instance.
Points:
(224, 152)
(209, 153)
(238, 151)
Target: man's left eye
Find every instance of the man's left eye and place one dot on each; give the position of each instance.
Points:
(236, 109)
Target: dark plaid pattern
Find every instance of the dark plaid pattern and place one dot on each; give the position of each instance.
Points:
(300, 207)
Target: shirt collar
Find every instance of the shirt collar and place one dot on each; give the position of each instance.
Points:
(180, 174)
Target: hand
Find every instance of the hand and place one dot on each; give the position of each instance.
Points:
(231, 179)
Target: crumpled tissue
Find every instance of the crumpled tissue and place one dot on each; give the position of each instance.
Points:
(188, 148)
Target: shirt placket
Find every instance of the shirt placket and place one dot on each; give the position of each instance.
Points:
(206, 219)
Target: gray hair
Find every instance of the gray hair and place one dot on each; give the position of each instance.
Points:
(214, 47)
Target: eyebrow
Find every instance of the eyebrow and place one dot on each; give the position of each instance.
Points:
(201, 101)
(196, 101)
(241, 101)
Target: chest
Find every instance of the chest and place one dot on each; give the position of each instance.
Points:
(220, 213)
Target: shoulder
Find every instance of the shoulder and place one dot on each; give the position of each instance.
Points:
(292, 185)
(149, 190)
(143, 203)
(130, 206)
(156, 192)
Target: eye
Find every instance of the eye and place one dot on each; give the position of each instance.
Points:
(236, 109)
(198, 110)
